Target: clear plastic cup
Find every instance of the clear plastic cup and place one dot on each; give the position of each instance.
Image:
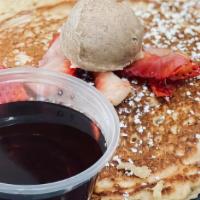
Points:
(43, 85)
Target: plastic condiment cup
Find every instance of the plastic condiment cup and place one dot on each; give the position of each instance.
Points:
(47, 86)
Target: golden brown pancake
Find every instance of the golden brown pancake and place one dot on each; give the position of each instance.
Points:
(159, 154)
(158, 157)
(25, 36)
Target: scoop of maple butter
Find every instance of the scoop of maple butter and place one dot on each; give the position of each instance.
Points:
(102, 35)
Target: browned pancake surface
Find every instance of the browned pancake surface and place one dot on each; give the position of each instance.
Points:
(159, 153)
(160, 136)
(24, 38)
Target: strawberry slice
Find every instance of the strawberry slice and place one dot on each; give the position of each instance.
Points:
(161, 89)
(160, 65)
(186, 71)
(156, 67)
(68, 69)
(112, 87)
(12, 92)
(2, 67)
(55, 37)
(55, 60)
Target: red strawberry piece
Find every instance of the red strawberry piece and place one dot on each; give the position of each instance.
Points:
(162, 89)
(55, 37)
(54, 58)
(12, 92)
(68, 69)
(156, 67)
(160, 65)
(186, 71)
(2, 67)
(112, 87)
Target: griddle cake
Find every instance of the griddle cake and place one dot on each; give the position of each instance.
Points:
(159, 153)
(25, 36)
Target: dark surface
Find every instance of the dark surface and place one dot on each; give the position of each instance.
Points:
(43, 142)
(43, 153)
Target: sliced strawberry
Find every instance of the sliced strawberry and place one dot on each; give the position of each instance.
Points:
(55, 60)
(160, 65)
(54, 52)
(2, 67)
(55, 37)
(162, 89)
(112, 87)
(156, 67)
(12, 93)
(68, 69)
(186, 71)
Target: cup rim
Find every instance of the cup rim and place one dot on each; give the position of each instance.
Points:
(82, 177)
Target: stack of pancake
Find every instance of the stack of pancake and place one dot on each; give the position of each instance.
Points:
(158, 157)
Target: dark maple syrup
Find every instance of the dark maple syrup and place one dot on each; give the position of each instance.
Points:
(43, 142)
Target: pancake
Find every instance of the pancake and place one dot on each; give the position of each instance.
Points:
(35, 28)
(159, 153)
